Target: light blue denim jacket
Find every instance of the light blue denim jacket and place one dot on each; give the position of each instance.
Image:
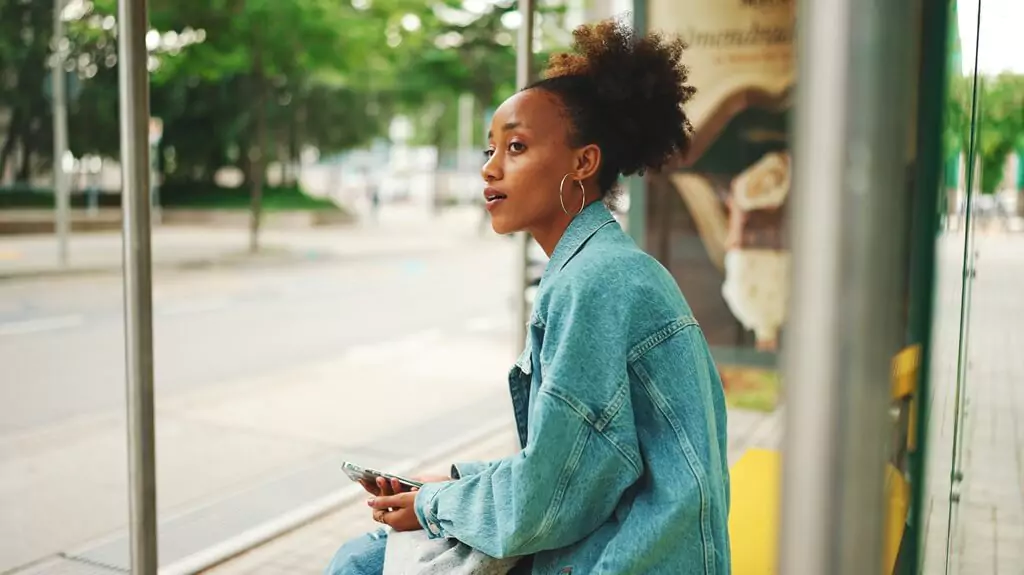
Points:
(622, 421)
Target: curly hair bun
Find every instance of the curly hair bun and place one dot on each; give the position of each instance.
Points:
(639, 89)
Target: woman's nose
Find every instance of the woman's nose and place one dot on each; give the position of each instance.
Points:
(491, 170)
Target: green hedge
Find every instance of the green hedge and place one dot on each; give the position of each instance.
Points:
(175, 195)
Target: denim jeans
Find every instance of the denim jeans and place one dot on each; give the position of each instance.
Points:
(363, 555)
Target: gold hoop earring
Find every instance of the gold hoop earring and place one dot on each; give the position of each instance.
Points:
(583, 203)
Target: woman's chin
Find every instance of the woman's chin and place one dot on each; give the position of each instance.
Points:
(502, 226)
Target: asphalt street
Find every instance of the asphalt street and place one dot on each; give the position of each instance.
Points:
(265, 376)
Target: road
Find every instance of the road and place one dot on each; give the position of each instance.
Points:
(260, 371)
(63, 340)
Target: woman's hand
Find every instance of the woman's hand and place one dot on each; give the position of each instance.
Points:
(374, 489)
(370, 487)
(431, 478)
(393, 508)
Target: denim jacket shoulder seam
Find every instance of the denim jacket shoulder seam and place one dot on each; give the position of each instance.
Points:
(658, 336)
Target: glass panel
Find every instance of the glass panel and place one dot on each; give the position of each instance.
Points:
(62, 402)
(369, 319)
(987, 524)
(954, 272)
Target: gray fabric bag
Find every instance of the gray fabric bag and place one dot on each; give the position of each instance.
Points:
(413, 553)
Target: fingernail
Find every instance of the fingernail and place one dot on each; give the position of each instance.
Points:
(371, 501)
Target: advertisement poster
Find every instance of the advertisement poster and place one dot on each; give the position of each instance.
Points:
(718, 220)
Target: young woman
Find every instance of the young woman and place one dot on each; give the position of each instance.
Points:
(619, 407)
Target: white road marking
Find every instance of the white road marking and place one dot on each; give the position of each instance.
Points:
(394, 348)
(486, 323)
(40, 325)
(189, 308)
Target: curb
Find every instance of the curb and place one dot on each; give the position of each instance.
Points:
(294, 520)
(270, 257)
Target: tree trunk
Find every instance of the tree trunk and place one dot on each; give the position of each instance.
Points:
(257, 156)
(297, 137)
(438, 141)
(24, 173)
(10, 141)
(288, 149)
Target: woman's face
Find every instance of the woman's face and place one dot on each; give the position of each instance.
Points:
(528, 155)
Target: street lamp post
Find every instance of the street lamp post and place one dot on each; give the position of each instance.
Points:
(524, 74)
(61, 193)
(132, 24)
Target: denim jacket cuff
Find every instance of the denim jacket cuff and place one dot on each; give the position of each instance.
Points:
(425, 511)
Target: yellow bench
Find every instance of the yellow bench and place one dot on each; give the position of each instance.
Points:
(754, 514)
(756, 490)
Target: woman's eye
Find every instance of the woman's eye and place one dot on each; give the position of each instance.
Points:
(488, 153)
(516, 147)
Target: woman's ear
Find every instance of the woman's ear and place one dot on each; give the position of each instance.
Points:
(588, 161)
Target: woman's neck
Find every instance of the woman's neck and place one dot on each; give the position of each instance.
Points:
(549, 234)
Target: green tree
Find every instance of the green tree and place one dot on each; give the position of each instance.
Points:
(272, 50)
(442, 51)
(25, 30)
(999, 122)
(236, 81)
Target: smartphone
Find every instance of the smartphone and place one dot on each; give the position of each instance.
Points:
(357, 473)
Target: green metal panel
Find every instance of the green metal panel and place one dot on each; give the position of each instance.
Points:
(935, 45)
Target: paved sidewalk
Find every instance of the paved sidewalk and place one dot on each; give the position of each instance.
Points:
(987, 534)
(400, 230)
(309, 548)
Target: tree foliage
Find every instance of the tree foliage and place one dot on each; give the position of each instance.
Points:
(998, 122)
(238, 81)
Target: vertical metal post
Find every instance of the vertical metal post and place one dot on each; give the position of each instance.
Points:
(524, 75)
(848, 223)
(466, 123)
(636, 217)
(61, 191)
(138, 297)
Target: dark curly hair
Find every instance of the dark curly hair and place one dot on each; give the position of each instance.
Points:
(625, 93)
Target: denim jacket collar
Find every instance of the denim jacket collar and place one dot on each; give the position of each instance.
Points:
(593, 217)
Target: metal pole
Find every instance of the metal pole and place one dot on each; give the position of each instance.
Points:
(61, 192)
(138, 296)
(154, 183)
(636, 216)
(524, 75)
(851, 130)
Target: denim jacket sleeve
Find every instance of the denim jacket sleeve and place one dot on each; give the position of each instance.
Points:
(581, 453)
(466, 468)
